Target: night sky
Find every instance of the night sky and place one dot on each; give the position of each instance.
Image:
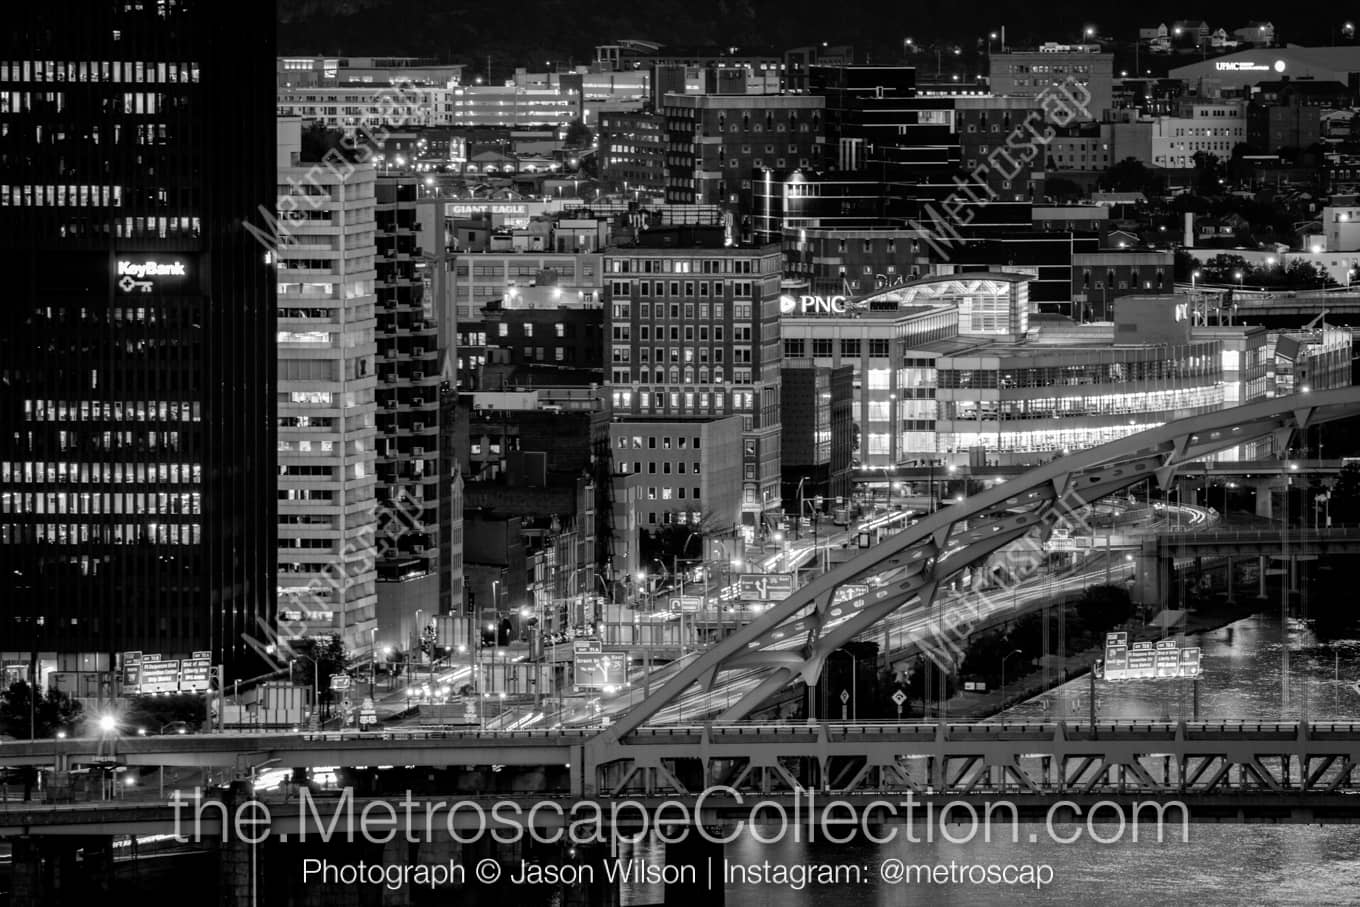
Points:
(532, 32)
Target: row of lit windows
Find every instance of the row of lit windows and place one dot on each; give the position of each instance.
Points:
(85, 502)
(1095, 373)
(41, 471)
(98, 533)
(679, 401)
(681, 516)
(824, 347)
(118, 410)
(1069, 407)
(135, 227)
(1053, 440)
(686, 266)
(64, 195)
(680, 468)
(97, 71)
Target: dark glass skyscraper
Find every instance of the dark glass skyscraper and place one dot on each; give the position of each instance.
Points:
(137, 349)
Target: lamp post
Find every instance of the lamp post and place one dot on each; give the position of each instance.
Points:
(373, 662)
(1003, 674)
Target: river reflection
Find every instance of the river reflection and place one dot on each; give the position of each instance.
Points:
(1220, 864)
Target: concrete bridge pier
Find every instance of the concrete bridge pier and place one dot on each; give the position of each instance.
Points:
(237, 861)
(1264, 562)
(61, 871)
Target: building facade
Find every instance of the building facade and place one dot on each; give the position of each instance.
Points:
(714, 142)
(693, 333)
(414, 343)
(1029, 73)
(327, 426)
(137, 369)
(632, 151)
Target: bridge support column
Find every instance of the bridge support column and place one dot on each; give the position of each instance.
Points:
(1293, 575)
(1151, 569)
(29, 880)
(1230, 599)
(235, 858)
(1261, 576)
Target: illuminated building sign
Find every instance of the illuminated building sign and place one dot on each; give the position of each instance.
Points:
(514, 210)
(812, 305)
(1182, 311)
(1248, 66)
(142, 276)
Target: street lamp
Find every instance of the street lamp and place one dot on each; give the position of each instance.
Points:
(373, 662)
(1003, 674)
(1238, 275)
(1193, 276)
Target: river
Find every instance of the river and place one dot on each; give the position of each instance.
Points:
(1220, 864)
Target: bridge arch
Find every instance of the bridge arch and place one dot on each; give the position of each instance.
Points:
(794, 637)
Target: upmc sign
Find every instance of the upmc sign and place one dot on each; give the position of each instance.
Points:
(812, 305)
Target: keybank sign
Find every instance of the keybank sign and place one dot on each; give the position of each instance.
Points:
(140, 270)
(812, 305)
(139, 276)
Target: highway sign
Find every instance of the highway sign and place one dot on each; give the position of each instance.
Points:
(766, 586)
(595, 670)
(194, 673)
(367, 714)
(160, 676)
(340, 682)
(587, 646)
(899, 697)
(1147, 660)
(1167, 662)
(845, 696)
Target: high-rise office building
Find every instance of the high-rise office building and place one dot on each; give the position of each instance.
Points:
(137, 370)
(328, 434)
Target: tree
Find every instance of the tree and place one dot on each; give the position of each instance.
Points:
(320, 658)
(1130, 175)
(24, 719)
(1345, 503)
(1061, 189)
(1103, 607)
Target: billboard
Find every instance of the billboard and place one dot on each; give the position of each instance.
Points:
(597, 670)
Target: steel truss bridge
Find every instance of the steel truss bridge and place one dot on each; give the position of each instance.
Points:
(791, 641)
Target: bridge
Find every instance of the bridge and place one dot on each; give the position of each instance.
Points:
(863, 758)
(904, 574)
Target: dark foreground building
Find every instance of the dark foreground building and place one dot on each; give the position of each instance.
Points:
(137, 364)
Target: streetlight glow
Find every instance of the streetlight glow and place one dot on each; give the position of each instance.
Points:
(108, 723)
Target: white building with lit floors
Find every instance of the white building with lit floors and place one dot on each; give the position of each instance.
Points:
(956, 369)
(326, 407)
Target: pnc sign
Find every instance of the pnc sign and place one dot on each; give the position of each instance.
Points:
(812, 305)
(137, 276)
